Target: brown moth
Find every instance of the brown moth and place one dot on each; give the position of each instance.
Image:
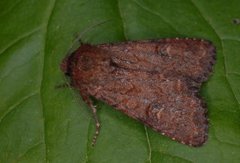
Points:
(155, 81)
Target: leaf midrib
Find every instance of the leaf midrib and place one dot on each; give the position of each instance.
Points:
(46, 22)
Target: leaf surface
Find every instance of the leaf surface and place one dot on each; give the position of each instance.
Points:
(39, 123)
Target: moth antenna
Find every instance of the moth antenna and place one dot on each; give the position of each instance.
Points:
(78, 37)
(97, 123)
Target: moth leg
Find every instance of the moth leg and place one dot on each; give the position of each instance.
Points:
(64, 85)
(97, 123)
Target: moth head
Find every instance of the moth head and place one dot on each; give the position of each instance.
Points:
(90, 57)
(64, 65)
(85, 59)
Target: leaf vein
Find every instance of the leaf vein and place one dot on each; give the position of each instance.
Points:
(149, 144)
(231, 39)
(175, 156)
(10, 8)
(14, 106)
(28, 150)
(122, 20)
(234, 73)
(19, 38)
(223, 142)
(224, 55)
(157, 14)
(11, 71)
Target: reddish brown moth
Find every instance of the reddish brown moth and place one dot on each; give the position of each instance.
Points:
(155, 81)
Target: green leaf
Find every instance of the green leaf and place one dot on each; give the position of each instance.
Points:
(39, 123)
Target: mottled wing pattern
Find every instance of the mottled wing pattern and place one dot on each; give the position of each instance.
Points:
(155, 82)
(189, 57)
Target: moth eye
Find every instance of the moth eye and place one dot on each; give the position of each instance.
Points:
(85, 59)
(86, 63)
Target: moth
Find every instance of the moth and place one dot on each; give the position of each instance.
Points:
(156, 82)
